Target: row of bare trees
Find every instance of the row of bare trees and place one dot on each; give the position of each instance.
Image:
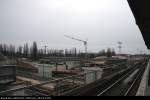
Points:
(109, 52)
(12, 51)
(35, 53)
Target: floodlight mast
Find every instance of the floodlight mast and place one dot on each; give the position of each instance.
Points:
(120, 46)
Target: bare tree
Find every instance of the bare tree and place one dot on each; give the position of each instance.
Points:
(34, 51)
(19, 51)
(109, 53)
(26, 50)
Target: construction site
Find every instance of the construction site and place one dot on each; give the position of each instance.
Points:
(44, 72)
(61, 76)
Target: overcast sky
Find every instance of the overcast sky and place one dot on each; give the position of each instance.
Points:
(102, 22)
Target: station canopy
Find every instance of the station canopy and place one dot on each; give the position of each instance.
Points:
(141, 11)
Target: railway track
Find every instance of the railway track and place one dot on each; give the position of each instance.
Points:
(119, 88)
(132, 90)
(100, 85)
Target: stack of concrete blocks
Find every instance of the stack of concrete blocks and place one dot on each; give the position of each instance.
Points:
(44, 71)
(72, 64)
(92, 74)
